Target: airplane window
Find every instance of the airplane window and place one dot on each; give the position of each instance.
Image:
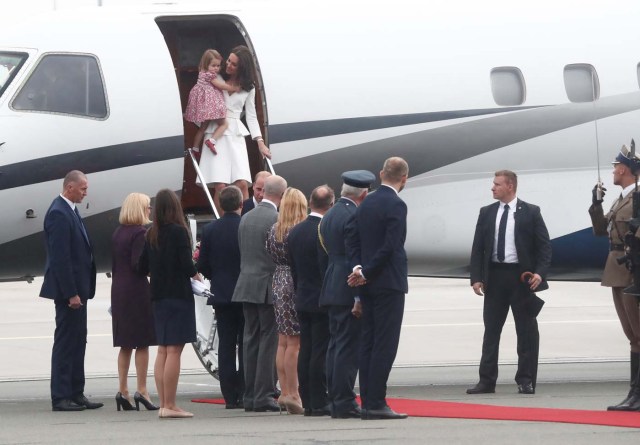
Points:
(64, 83)
(507, 86)
(10, 64)
(638, 73)
(581, 82)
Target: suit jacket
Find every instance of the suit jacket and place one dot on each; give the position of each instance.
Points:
(256, 266)
(334, 264)
(531, 239)
(615, 275)
(305, 265)
(170, 265)
(70, 269)
(219, 259)
(247, 205)
(375, 240)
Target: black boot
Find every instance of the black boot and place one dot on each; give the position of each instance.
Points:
(632, 401)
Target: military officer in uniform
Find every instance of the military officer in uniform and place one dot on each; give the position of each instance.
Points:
(616, 276)
(343, 305)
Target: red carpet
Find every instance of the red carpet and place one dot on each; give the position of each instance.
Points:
(456, 410)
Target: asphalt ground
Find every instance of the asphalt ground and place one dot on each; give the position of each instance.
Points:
(583, 364)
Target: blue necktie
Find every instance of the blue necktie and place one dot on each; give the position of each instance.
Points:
(502, 230)
(84, 232)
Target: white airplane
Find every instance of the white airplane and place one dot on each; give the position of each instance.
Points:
(459, 88)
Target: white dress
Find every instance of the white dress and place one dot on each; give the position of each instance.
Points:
(232, 162)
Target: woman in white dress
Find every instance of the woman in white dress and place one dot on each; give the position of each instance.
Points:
(231, 164)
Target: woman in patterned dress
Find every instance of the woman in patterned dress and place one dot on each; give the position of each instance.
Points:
(293, 210)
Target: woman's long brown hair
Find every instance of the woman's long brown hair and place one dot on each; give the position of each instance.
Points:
(167, 210)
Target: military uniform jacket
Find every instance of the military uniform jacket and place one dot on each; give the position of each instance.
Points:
(614, 224)
(335, 290)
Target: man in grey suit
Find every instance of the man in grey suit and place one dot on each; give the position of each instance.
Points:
(253, 290)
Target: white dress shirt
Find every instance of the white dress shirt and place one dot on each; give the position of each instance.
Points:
(510, 253)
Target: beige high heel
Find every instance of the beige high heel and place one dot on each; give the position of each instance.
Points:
(293, 406)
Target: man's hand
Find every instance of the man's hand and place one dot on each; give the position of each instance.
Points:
(357, 309)
(597, 196)
(75, 302)
(356, 279)
(535, 281)
(478, 288)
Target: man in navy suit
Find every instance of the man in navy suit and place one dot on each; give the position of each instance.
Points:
(342, 302)
(258, 192)
(510, 239)
(314, 321)
(69, 280)
(219, 261)
(375, 246)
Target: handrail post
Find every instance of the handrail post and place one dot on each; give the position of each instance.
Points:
(202, 181)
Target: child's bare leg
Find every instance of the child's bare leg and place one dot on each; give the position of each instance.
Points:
(222, 126)
(197, 139)
(213, 140)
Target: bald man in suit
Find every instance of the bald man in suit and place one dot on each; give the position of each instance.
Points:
(70, 281)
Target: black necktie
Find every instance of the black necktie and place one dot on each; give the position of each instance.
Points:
(502, 229)
(84, 232)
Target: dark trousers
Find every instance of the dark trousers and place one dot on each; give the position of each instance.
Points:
(260, 344)
(67, 356)
(342, 358)
(382, 313)
(314, 340)
(503, 292)
(230, 326)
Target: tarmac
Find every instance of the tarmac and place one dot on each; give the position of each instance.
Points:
(583, 365)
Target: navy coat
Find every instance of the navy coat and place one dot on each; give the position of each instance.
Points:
(335, 291)
(305, 265)
(219, 259)
(375, 240)
(70, 269)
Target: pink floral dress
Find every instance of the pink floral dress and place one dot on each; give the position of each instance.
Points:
(206, 102)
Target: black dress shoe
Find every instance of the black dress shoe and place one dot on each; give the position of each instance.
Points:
(353, 413)
(632, 403)
(67, 405)
(526, 388)
(384, 413)
(234, 405)
(622, 406)
(319, 412)
(269, 407)
(83, 401)
(481, 388)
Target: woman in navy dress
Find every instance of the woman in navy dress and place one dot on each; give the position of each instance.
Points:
(167, 259)
(132, 319)
(293, 210)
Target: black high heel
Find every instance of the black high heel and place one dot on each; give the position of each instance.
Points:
(138, 398)
(123, 402)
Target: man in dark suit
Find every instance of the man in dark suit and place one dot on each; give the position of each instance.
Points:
(258, 191)
(375, 246)
(253, 290)
(342, 303)
(510, 239)
(69, 280)
(314, 321)
(219, 261)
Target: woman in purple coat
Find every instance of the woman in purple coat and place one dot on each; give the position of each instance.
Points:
(132, 318)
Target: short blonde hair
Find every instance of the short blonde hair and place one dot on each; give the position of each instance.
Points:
(134, 210)
(293, 210)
